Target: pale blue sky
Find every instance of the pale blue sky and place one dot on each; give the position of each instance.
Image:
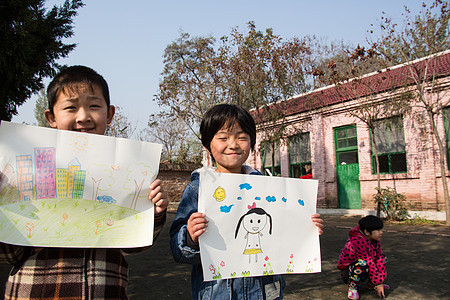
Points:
(125, 42)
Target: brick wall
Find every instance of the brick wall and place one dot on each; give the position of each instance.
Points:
(174, 178)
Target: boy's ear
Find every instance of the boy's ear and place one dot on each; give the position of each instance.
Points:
(50, 118)
(110, 114)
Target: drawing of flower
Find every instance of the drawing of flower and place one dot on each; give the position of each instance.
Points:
(290, 267)
(222, 263)
(97, 223)
(64, 216)
(268, 267)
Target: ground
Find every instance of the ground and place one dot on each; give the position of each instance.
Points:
(418, 267)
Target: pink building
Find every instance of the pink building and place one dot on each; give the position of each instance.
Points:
(45, 172)
(25, 177)
(324, 139)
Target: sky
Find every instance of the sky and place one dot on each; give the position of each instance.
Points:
(124, 41)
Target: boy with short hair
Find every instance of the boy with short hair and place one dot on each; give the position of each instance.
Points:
(78, 100)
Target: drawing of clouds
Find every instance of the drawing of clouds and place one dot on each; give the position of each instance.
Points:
(225, 208)
(271, 199)
(301, 202)
(257, 198)
(239, 198)
(283, 199)
(246, 186)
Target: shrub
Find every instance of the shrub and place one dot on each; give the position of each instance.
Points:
(391, 203)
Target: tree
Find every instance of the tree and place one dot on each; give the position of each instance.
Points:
(179, 144)
(349, 73)
(423, 37)
(253, 70)
(32, 42)
(39, 109)
(120, 126)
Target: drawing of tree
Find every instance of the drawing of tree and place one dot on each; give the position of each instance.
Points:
(137, 175)
(101, 178)
(29, 226)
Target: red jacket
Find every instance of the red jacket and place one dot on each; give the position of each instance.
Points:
(358, 246)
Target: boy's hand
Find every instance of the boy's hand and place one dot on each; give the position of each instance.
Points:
(158, 197)
(318, 222)
(196, 225)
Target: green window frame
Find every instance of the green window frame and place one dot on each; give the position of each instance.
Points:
(346, 145)
(390, 142)
(300, 155)
(272, 168)
(446, 115)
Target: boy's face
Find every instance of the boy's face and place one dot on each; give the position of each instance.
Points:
(230, 148)
(81, 109)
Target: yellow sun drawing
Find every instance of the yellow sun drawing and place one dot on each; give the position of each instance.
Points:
(219, 194)
(80, 143)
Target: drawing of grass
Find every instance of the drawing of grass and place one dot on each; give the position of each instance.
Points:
(116, 229)
(33, 213)
(76, 203)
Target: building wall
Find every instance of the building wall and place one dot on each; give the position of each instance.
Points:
(421, 183)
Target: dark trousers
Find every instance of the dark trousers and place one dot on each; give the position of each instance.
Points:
(355, 273)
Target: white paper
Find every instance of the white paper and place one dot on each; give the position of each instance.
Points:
(70, 189)
(280, 238)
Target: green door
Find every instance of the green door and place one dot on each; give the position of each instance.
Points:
(347, 167)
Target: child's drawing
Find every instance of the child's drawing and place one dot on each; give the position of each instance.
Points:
(254, 221)
(70, 189)
(257, 225)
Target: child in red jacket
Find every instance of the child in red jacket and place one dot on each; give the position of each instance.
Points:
(362, 258)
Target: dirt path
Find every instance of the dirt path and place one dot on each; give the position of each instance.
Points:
(418, 268)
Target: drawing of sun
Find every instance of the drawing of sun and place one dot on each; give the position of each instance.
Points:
(80, 142)
(219, 194)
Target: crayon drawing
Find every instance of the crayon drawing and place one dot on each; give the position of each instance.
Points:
(69, 189)
(258, 225)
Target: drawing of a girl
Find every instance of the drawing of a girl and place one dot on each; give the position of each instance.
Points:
(254, 222)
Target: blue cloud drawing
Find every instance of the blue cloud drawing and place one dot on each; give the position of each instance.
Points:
(301, 202)
(225, 208)
(239, 198)
(257, 198)
(246, 186)
(271, 199)
(283, 199)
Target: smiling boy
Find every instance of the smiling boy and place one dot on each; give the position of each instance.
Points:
(78, 100)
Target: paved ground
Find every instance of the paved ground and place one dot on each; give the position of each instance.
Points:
(418, 268)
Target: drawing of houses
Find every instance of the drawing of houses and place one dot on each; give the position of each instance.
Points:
(25, 176)
(45, 172)
(78, 184)
(74, 165)
(61, 183)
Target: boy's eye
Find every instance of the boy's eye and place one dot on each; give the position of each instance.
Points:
(69, 107)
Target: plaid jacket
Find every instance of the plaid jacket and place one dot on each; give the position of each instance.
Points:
(68, 273)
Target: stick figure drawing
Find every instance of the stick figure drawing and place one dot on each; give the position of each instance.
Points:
(254, 222)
